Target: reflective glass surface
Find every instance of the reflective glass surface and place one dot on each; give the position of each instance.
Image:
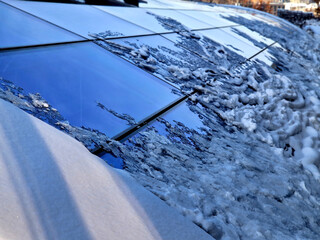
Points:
(183, 114)
(21, 29)
(211, 18)
(162, 58)
(81, 19)
(139, 16)
(187, 21)
(207, 49)
(254, 39)
(250, 37)
(181, 125)
(87, 85)
(113, 161)
(229, 40)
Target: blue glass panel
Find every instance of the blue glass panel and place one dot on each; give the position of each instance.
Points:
(227, 38)
(181, 124)
(89, 86)
(183, 114)
(156, 20)
(113, 161)
(20, 29)
(207, 48)
(163, 58)
(213, 19)
(81, 19)
(138, 16)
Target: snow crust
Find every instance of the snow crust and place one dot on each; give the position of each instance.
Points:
(253, 173)
(53, 188)
(251, 169)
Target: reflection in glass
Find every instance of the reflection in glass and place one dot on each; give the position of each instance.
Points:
(234, 43)
(89, 86)
(81, 19)
(164, 59)
(213, 19)
(20, 29)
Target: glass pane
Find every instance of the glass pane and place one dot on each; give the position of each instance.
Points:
(250, 37)
(81, 19)
(208, 49)
(269, 56)
(113, 161)
(229, 40)
(253, 39)
(20, 29)
(183, 115)
(141, 17)
(172, 4)
(181, 125)
(211, 18)
(163, 58)
(87, 85)
(187, 21)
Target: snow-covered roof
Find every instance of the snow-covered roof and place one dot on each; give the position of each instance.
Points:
(213, 108)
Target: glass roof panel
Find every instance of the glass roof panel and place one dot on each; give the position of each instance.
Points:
(161, 57)
(21, 29)
(230, 40)
(184, 115)
(81, 19)
(180, 125)
(172, 4)
(251, 37)
(207, 49)
(211, 18)
(139, 16)
(183, 19)
(87, 85)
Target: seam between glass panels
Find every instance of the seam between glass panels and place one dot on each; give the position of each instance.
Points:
(262, 50)
(154, 33)
(135, 129)
(124, 19)
(163, 80)
(121, 137)
(44, 20)
(247, 59)
(43, 45)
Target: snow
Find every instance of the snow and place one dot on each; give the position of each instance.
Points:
(250, 169)
(260, 142)
(313, 26)
(53, 188)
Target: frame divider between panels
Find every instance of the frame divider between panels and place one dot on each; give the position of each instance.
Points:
(109, 38)
(134, 129)
(124, 19)
(262, 50)
(44, 45)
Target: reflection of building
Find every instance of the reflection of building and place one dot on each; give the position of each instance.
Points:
(264, 5)
(305, 6)
(274, 6)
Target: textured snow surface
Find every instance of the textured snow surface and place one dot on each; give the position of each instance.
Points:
(313, 26)
(253, 171)
(245, 162)
(53, 188)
